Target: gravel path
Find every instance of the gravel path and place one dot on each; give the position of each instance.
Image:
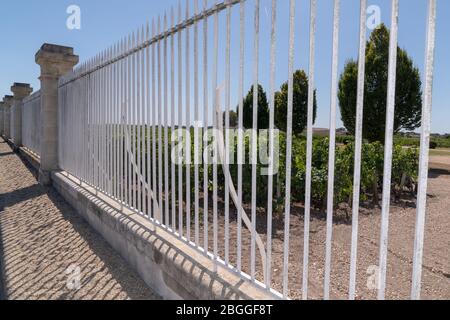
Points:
(48, 252)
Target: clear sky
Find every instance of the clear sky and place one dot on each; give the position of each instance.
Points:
(26, 24)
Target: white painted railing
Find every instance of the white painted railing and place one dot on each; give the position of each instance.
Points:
(2, 119)
(31, 115)
(120, 110)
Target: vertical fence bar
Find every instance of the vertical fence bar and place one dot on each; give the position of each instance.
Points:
(111, 126)
(89, 127)
(227, 133)
(103, 142)
(111, 94)
(148, 126)
(268, 275)
(160, 114)
(180, 126)
(166, 130)
(116, 123)
(173, 118)
(102, 124)
(107, 146)
(94, 125)
(188, 130)
(138, 124)
(309, 149)
(215, 126)
(205, 126)
(97, 125)
(144, 150)
(129, 127)
(196, 132)
(240, 131)
(289, 149)
(332, 148)
(134, 123)
(358, 147)
(424, 151)
(388, 146)
(122, 126)
(154, 151)
(255, 138)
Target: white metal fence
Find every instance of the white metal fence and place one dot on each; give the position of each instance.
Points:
(120, 112)
(2, 119)
(12, 120)
(31, 119)
(6, 120)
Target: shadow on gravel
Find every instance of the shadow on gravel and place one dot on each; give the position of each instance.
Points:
(436, 173)
(68, 239)
(2, 271)
(12, 198)
(6, 154)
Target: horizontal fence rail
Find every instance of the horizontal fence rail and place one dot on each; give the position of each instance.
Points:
(137, 121)
(31, 119)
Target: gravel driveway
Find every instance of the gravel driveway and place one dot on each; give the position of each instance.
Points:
(48, 252)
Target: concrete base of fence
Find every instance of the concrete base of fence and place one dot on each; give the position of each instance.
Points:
(168, 265)
(11, 144)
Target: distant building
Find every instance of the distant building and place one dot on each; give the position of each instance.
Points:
(342, 132)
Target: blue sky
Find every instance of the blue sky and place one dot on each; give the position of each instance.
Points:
(25, 25)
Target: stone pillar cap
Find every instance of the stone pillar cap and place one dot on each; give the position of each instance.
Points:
(55, 60)
(7, 100)
(21, 90)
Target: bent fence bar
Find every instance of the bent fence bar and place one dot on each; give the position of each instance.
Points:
(121, 116)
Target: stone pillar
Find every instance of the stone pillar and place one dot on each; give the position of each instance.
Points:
(2, 119)
(20, 90)
(55, 61)
(7, 116)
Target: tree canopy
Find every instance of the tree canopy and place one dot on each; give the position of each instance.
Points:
(408, 98)
(263, 109)
(300, 104)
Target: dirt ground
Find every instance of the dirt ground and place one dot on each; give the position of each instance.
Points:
(43, 241)
(440, 162)
(436, 262)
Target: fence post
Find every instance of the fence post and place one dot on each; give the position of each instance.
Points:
(2, 119)
(20, 90)
(55, 61)
(7, 116)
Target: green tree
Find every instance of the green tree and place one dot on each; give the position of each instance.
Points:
(408, 103)
(300, 104)
(263, 109)
(233, 119)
